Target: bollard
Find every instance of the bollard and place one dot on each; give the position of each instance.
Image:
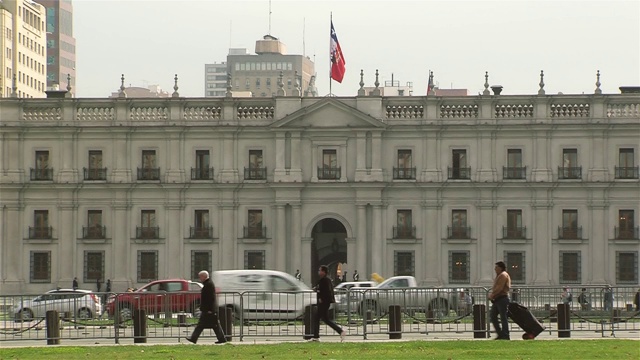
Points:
(479, 321)
(369, 317)
(53, 327)
(309, 320)
(629, 307)
(616, 316)
(564, 321)
(139, 326)
(395, 322)
(225, 316)
(182, 320)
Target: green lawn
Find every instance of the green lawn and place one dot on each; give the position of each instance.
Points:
(553, 349)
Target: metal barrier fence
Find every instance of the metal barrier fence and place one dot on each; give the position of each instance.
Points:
(361, 312)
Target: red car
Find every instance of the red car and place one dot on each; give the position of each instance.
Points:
(176, 295)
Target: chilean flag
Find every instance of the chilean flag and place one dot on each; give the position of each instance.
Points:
(337, 59)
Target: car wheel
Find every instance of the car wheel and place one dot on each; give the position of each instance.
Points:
(125, 312)
(25, 315)
(439, 308)
(84, 314)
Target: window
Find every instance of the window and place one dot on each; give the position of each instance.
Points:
(66, 22)
(627, 267)
(254, 259)
(255, 159)
(256, 171)
(626, 225)
(202, 170)
(149, 170)
(258, 83)
(40, 264)
(570, 168)
(404, 263)
(42, 160)
(459, 169)
(148, 218)
(93, 266)
(200, 260)
(627, 168)
(41, 218)
(268, 82)
(514, 229)
(514, 169)
(515, 266)
(570, 267)
(148, 228)
(404, 228)
(201, 228)
(254, 224)
(95, 171)
(405, 168)
(147, 265)
(330, 169)
(459, 229)
(94, 228)
(459, 267)
(569, 228)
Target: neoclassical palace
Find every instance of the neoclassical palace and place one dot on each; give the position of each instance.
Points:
(436, 187)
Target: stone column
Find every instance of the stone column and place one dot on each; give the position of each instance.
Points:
(66, 235)
(12, 249)
(306, 269)
(361, 242)
(314, 163)
(431, 244)
(228, 239)
(541, 170)
(596, 233)
(295, 173)
(121, 159)
(68, 171)
(597, 171)
(486, 172)
(229, 172)
(486, 240)
(280, 239)
(122, 261)
(343, 163)
(174, 172)
(376, 161)
(377, 241)
(430, 169)
(296, 238)
(280, 173)
(174, 240)
(542, 234)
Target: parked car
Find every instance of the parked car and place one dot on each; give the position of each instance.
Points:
(404, 291)
(83, 303)
(176, 295)
(347, 299)
(266, 294)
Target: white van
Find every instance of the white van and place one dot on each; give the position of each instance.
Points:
(263, 294)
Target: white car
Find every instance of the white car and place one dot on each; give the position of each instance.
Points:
(344, 302)
(84, 303)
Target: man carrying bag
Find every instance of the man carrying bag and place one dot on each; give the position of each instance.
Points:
(208, 310)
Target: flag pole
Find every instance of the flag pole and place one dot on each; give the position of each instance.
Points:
(330, 55)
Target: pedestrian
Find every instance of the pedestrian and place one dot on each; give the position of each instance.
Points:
(608, 298)
(566, 296)
(356, 276)
(344, 277)
(324, 290)
(74, 285)
(208, 310)
(499, 297)
(298, 275)
(583, 300)
(108, 289)
(98, 285)
(637, 300)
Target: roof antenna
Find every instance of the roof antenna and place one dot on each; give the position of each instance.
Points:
(269, 17)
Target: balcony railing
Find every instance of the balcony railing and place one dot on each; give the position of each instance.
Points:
(255, 232)
(148, 173)
(147, 232)
(519, 232)
(570, 172)
(627, 172)
(255, 173)
(459, 173)
(95, 174)
(201, 173)
(404, 232)
(94, 232)
(40, 232)
(41, 174)
(514, 173)
(570, 233)
(627, 233)
(458, 232)
(197, 232)
(326, 173)
(404, 173)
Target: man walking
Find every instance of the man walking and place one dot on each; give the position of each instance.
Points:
(325, 298)
(74, 284)
(208, 310)
(499, 296)
(356, 276)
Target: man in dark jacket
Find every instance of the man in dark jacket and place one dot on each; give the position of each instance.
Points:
(209, 310)
(325, 298)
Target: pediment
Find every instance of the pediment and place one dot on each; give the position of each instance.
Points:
(328, 113)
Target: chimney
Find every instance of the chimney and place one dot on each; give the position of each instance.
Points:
(497, 89)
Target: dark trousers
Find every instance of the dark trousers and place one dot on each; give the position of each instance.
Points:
(500, 307)
(323, 314)
(208, 321)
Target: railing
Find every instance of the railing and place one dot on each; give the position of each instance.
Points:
(94, 232)
(404, 232)
(41, 174)
(459, 173)
(458, 232)
(148, 173)
(147, 232)
(327, 173)
(255, 232)
(40, 232)
(627, 172)
(255, 173)
(404, 173)
(95, 174)
(570, 233)
(570, 172)
(514, 173)
(518, 232)
(201, 232)
(201, 173)
(627, 233)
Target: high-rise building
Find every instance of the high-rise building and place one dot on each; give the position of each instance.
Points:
(151, 91)
(215, 79)
(26, 35)
(259, 73)
(61, 45)
(6, 45)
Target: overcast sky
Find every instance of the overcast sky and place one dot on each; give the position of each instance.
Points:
(151, 40)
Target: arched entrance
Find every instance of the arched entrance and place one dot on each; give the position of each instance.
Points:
(328, 247)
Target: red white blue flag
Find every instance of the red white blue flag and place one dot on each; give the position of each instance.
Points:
(337, 59)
